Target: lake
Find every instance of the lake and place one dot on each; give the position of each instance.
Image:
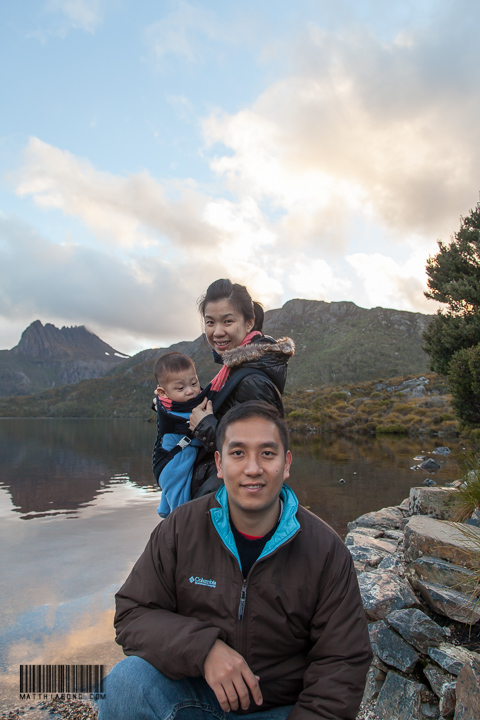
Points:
(78, 503)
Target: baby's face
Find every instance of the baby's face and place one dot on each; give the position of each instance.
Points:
(180, 387)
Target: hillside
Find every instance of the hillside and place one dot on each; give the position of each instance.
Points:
(47, 357)
(336, 343)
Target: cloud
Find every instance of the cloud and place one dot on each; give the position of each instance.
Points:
(77, 14)
(392, 284)
(84, 285)
(181, 32)
(132, 212)
(362, 126)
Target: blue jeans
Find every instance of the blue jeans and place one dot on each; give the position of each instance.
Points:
(135, 690)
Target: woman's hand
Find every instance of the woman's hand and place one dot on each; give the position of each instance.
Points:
(201, 411)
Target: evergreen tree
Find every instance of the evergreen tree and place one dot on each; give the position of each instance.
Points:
(454, 279)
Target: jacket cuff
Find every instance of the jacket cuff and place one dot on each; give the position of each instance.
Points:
(206, 432)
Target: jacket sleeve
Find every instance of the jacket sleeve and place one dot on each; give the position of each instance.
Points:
(341, 653)
(206, 432)
(146, 621)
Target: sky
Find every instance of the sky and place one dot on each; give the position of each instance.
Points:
(314, 150)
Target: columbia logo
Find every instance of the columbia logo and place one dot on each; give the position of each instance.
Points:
(202, 581)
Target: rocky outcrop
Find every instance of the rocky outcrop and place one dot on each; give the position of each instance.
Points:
(428, 567)
(47, 357)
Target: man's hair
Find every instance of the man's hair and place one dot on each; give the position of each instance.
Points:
(170, 363)
(247, 411)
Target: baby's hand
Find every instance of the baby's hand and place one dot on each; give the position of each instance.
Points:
(205, 408)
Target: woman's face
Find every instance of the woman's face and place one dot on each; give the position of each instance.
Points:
(225, 327)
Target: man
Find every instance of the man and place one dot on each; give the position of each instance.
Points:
(243, 601)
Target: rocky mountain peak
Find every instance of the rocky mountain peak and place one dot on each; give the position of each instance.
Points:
(42, 342)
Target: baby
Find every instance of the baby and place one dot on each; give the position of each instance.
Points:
(178, 392)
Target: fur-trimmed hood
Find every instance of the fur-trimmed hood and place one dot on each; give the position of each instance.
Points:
(258, 350)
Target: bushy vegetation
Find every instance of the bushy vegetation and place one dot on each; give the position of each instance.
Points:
(453, 337)
(401, 406)
(466, 498)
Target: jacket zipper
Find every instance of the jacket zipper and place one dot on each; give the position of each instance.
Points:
(243, 597)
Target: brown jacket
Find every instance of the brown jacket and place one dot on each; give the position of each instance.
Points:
(302, 629)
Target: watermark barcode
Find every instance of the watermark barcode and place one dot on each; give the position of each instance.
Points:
(61, 678)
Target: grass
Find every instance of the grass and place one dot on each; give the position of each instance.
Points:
(374, 408)
(467, 496)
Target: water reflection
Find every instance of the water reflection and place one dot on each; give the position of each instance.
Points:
(57, 466)
(340, 478)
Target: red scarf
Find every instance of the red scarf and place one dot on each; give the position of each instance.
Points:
(221, 378)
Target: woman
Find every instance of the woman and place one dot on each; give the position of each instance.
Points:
(254, 367)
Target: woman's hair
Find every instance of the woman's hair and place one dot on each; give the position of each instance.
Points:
(238, 296)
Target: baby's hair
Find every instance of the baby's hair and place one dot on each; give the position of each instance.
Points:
(170, 363)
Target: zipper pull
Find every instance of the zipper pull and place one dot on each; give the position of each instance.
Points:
(243, 596)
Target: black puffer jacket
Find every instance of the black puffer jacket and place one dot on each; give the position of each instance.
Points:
(269, 358)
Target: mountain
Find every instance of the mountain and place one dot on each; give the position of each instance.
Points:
(47, 357)
(336, 343)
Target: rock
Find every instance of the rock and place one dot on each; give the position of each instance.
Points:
(427, 536)
(386, 518)
(474, 518)
(390, 647)
(437, 678)
(468, 692)
(392, 564)
(436, 502)
(430, 464)
(376, 675)
(441, 572)
(394, 535)
(400, 698)
(428, 482)
(404, 507)
(370, 531)
(441, 451)
(452, 658)
(381, 544)
(416, 628)
(383, 592)
(366, 555)
(448, 699)
(449, 602)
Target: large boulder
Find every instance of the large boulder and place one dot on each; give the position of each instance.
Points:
(390, 647)
(401, 699)
(434, 501)
(468, 692)
(441, 572)
(452, 658)
(390, 517)
(449, 602)
(384, 545)
(383, 592)
(366, 556)
(417, 628)
(427, 536)
(437, 677)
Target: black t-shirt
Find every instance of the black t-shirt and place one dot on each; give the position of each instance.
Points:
(249, 550)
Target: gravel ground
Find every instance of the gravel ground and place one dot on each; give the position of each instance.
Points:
(53, 710)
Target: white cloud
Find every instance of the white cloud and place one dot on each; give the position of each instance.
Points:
(316, 280)
(388, 130)
(179, 32)
(390, 284)
(132, 212)
(77, 14)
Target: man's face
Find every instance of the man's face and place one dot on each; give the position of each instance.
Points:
(253, 466)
